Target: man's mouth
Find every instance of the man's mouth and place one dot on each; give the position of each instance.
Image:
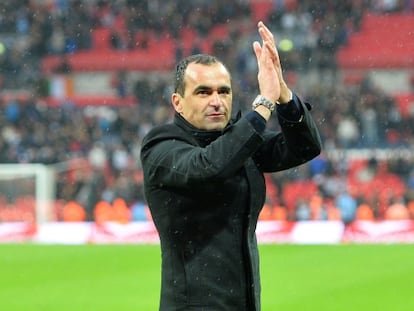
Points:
(215, 115)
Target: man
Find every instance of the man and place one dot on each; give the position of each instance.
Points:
(204, 184)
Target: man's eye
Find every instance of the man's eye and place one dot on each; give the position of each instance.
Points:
(204, 92)
(224, 91)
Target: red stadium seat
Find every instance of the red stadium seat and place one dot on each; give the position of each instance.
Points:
(398, 53)
(101, 38)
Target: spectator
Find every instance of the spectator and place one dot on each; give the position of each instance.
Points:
(347, 206)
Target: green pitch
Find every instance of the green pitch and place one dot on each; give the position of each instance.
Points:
(127, 277)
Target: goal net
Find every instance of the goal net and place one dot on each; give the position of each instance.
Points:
(27, 192)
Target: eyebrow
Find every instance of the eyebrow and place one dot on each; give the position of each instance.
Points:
(224, 88)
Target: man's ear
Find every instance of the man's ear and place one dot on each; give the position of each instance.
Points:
(176, 102)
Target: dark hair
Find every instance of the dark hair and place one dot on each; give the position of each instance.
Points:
(204, 59)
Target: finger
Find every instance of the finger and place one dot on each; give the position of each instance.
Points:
(265, 32)
(271, 49)
(268, 51)
(257, 50)
(273, 52)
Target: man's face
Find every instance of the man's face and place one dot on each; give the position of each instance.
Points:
(207, 99)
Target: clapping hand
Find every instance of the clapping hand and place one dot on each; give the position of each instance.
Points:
(270, 77)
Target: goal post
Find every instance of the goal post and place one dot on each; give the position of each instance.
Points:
(35, 181)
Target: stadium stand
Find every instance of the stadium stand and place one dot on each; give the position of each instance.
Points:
(383, 41)
(104, 39)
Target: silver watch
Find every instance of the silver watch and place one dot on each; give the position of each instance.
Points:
(261, 100)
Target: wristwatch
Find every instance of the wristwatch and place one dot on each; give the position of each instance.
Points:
(261, 100)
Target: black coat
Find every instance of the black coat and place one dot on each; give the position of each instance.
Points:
(205, 190)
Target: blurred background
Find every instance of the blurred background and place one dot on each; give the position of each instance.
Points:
(81, 83)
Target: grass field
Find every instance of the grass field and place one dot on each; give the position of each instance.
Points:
(127, 277)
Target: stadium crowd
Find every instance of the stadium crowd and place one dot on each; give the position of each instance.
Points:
(96, 149)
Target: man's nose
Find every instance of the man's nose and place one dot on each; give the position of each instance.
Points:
(215, 99)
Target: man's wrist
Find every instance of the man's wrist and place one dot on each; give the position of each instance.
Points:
(285, 98)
